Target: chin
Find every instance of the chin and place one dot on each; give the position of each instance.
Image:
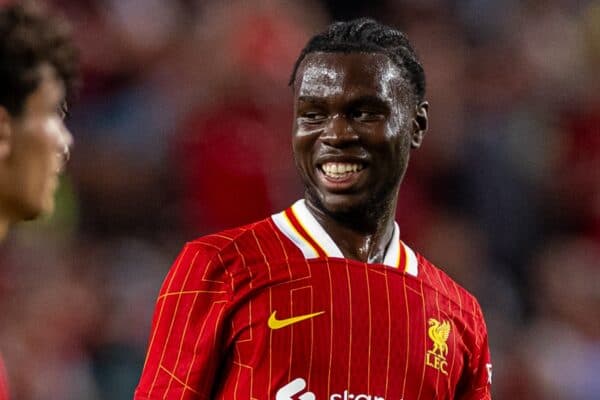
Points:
(342, 205)
(32, 214)
(355, 206)
(36, 210)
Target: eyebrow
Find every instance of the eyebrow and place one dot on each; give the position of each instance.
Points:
(311, 99)
(370, 99)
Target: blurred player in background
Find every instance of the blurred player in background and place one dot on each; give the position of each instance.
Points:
(323, 300)
(37, 72)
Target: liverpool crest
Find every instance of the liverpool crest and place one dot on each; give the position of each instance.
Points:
(438, 333)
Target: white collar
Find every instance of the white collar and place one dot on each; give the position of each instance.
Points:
(299, 225)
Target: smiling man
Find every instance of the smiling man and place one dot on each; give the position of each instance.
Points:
(323, 300)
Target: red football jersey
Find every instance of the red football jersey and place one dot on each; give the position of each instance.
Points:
(274, 311)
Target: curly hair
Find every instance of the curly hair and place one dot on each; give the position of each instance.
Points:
(29, 37)
(365, 35)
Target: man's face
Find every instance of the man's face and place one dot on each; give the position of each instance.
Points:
(353, 126)
(32, 151)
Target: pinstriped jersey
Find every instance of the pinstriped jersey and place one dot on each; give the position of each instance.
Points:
(273, 310)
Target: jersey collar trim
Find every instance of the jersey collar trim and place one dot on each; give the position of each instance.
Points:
(302, 228)
(314, 230)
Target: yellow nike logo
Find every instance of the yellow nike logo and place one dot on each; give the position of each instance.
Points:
(275, 323)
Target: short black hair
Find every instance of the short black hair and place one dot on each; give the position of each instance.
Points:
(366, 35)
(29, 37)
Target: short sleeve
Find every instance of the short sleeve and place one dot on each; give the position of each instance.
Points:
(185, 341)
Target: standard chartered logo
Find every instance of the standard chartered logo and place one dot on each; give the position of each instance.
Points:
(295, 390)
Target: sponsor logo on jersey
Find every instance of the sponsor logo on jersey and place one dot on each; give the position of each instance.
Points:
(275, 323)
(289, 391)
(295, 390)
(438, 333)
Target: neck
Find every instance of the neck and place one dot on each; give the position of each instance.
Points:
(362, 237)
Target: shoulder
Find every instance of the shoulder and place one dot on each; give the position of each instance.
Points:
(213, 259)
(237, 247)
(245, 240)
(439, 281)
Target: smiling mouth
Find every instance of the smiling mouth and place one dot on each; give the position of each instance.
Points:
(340, 170)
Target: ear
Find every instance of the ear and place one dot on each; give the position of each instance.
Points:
(420, 124)
(5, 133)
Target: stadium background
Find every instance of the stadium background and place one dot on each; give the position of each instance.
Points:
(183, 127)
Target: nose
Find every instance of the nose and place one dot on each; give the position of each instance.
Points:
(339, 132)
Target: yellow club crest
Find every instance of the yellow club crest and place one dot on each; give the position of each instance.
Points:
(438, 332)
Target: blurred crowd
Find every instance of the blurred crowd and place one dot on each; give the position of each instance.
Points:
(182, 127)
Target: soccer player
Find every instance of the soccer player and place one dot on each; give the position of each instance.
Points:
(37, 70)
(324, 300)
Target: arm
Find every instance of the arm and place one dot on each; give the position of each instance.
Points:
(185, 347)
(477, 379)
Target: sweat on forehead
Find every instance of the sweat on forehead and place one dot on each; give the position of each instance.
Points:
(326, 74)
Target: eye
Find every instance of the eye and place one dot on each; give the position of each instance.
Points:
(366, 115)
(312, 117)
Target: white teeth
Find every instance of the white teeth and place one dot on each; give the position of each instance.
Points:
(339, 169)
